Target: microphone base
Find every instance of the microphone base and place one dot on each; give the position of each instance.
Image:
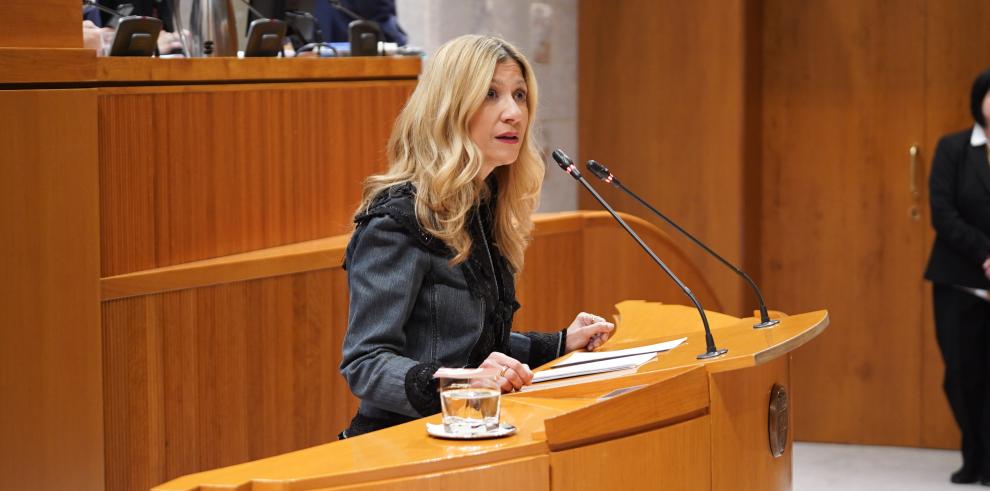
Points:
(769, 323)
(713, 354)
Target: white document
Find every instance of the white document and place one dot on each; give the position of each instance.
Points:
(589, 368)
(591, 356)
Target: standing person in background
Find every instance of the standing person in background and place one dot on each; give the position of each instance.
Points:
(441, 235)
(959, 268)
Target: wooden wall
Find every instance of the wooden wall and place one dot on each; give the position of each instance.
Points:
(245, 176)
(209, 377)
(881, 81)
(780, 131)
(41, 24)
(662, 104)
(237, 370)
(51, 422)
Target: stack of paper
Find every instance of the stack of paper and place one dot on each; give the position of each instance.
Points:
(589, 368)
(604, 361)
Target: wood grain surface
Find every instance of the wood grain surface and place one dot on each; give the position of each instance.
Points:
(527, 474)
(207, 377)
(584, 261)
(51, 419)
(41, 24)
(135, 69)
(837, 128)
(673, 132)
(263, 166)
(672, 458)
(740, 401)
(50, 65)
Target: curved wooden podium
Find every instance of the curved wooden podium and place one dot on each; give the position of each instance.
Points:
(687, 424)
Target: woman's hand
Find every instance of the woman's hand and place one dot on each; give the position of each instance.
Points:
(986, 268)
(588, 331)
(512, 375)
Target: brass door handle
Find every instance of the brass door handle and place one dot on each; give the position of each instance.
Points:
(913, 161)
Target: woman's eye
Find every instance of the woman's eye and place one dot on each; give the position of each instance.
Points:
(491, 94)
(520, 95)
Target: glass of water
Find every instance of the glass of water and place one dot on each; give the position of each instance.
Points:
(469, 399)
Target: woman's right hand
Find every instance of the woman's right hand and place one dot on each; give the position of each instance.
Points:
(513, 375)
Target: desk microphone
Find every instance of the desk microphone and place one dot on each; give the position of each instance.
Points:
(602, 172)
(567, 164)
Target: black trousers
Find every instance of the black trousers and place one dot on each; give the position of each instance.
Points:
(962, 328)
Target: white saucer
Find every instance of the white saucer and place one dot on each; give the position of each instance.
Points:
(437, 431)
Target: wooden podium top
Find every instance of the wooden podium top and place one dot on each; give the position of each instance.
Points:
(83, 68)
(747, 346)
(551, 417)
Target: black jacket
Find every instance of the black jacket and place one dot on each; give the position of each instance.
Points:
(959, 189)
(410, 312)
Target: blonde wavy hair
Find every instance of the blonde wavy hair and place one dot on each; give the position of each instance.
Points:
(431, 148)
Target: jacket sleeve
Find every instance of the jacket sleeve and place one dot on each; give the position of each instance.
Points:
(948, 224)
(385, 271)
(537, 348)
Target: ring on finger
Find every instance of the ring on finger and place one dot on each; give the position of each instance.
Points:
(504, 369)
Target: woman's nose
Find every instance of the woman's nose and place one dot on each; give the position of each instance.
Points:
(511, 112)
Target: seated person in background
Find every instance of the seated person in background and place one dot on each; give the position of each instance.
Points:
(99, 26)
(440, 237)
(334, 21)
(159, 9)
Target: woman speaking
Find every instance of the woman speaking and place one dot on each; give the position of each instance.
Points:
(440, 237)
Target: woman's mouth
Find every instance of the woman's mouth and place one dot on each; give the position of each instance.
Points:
(511, 138)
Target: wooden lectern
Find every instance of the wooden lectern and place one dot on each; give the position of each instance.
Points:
(685, 425)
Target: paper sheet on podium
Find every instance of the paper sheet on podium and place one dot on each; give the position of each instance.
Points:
(585, 357)
(588, 368)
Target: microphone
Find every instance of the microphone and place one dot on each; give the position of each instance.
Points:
(602, 172)
(567, 164)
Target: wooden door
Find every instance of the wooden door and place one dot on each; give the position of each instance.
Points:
(843, 85)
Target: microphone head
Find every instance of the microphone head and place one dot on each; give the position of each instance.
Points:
(566, 163)
(562, 159)
(599, 170)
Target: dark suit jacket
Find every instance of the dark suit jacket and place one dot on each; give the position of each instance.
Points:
(959, 189)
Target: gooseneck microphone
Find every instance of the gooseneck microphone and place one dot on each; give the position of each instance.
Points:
(602, 172)
(567, 164)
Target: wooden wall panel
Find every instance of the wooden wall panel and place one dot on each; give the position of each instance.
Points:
(586, 262)
(616, 269)
(673, 132)
(841, 87)
(951, 28)
(550, 288)
(41, 24)
(252, 172)
(204, 378)
(51, 416)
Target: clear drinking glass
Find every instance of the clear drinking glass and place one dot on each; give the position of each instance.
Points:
(469, 399)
